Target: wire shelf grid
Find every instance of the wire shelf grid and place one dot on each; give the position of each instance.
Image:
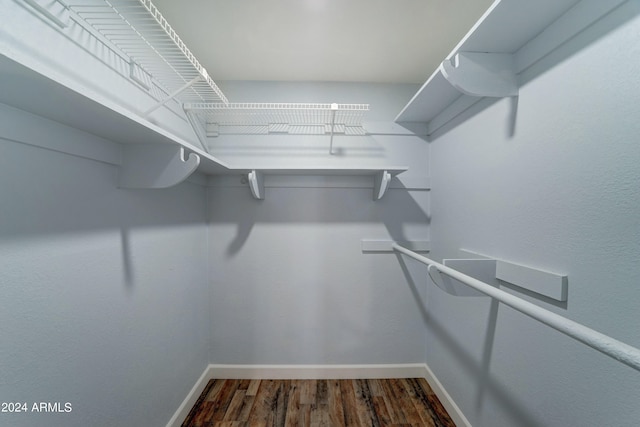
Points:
(139, 30)
(298, 118)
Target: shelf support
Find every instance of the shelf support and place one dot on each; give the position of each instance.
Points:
(381, 184)
(199, 130)
(334, 108)
(542, 282)
(256, 184)
(481, 74)
(155, 166)
(172, 95)
(377, 245)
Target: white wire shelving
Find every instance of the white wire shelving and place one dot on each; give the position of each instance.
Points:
(135, 44)
(278, 118)
(139, 30)
(161, 63)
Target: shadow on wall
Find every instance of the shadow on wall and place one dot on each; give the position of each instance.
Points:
(413, 272)
(397, 209)
(289, 274)
(46, 194)
(298, 147)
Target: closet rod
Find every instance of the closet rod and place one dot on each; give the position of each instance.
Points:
(618, 350)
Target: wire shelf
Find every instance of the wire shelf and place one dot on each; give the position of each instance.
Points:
(288, 118)
(161, 63)
(139, 30)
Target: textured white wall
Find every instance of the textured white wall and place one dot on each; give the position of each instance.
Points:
(104, 291)
(290, 283)
(557, 189)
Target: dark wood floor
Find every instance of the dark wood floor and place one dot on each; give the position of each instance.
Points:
(279, 403)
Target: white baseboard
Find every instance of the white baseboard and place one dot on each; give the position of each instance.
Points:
(452, 409)
(409, 370)
(299, 372)
(191, 399)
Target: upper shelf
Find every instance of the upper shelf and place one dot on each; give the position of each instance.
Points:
(510, 37)
(84, 67)
(151, 157)
(381, 177)
(268, 118)
(138, 30)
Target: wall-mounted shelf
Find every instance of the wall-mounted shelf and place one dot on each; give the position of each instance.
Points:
(133, 32)
(510, 37)
(381, 176)
(269, 118)
(386, 246)
(163, 65)
(150, 157)
(137, 29)
(490, 270)
(145, 145)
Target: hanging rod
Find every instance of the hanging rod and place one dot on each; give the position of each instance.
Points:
(618, 350)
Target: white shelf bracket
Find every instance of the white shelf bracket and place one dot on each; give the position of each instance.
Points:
(548, 284)
(381, 184)
(378, 245)
(199, 130)
(334, 108)
(481, 74)
(256, 184)
(481, 269)
(155, 166)
(437, 278)
(172, 95)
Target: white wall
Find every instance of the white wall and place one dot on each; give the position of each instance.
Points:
(104, 291)
(290, 282)
(558, 189)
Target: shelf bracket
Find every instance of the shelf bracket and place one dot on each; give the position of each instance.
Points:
(481, 74)
(256, 184)
(172, 95)
(481, 269)
(542, 282)
(437, 278)
(381, 184)
(334, 108)
(199, 130)
(155, 166)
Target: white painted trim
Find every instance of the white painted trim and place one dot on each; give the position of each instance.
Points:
(409, 370)
(191, 399)
(22, 127)
(381, 245)
(452, 409)
(548, 284)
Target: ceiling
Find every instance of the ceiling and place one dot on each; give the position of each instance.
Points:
(381, 41)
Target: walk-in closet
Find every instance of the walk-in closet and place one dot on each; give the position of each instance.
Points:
(319, 213)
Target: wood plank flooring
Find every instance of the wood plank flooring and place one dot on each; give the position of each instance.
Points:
(314, 403)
